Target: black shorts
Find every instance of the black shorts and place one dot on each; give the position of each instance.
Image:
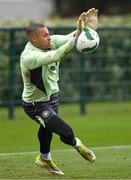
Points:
(40, 111)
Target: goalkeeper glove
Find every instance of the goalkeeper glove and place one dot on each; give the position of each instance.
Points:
(92, 18)
(81, 22)
(88, 19)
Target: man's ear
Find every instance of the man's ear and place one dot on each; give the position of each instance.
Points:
(33, 38)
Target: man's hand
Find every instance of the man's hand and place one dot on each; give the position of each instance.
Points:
(88, 19)
(81, 22)
(92, 18)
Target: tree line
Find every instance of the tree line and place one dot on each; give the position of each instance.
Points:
(74, 7)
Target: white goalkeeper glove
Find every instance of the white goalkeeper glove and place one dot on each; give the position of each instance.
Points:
(81, 22)
(92, 18)
(88, 19)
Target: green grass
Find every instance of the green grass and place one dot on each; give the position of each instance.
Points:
(111, 163)
(105, 125)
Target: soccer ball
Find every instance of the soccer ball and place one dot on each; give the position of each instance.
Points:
(87, 41)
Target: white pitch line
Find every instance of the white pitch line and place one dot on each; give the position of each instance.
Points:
(66, 150)
(18, 153)
(113, 147)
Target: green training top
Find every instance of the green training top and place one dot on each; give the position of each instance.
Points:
(40, 68)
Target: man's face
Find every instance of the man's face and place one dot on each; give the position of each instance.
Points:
(41, 38)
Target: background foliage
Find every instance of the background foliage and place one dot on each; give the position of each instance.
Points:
(74, 7)
(100, 76)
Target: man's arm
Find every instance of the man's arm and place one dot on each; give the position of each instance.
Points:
(36, 59)
(59, 40)
(86, 19)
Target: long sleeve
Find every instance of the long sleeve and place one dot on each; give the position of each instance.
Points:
(38, 58)
(59, 40)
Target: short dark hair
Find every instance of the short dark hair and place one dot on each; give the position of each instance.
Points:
(33, 28)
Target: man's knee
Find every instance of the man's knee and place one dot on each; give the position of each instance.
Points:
(58, 126)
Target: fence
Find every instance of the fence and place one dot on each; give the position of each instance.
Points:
(103, 75)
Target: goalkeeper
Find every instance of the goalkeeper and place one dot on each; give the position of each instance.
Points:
(40, 72)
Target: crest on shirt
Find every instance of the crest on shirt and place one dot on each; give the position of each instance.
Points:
(45, 114)
(53, 66)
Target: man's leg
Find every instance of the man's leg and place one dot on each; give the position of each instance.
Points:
(44, 160)
(57, 125)
(45, 138)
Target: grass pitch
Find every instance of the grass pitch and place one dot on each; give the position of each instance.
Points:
(106, 129)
